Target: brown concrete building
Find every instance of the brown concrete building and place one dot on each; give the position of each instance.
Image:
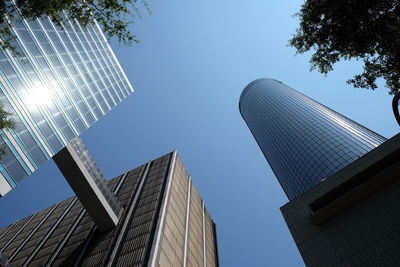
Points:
(164, 223)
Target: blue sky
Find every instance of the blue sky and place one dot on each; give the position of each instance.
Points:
(194, 59)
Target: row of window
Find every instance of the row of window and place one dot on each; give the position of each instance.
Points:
(84, 85)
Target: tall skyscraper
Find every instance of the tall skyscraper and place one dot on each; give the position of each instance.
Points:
(164, 223)
(303, 141)
(63, 79)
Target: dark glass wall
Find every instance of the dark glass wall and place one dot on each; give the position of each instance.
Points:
(302, 140)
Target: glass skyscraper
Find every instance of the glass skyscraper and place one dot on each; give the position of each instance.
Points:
(302, 140)
(63, 79)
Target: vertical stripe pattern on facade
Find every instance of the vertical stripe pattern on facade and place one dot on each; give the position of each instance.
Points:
(158, 225)
(63, 80)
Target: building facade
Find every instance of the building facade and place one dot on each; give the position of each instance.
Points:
(61, 81)
(164, 223)
(303, 141)
(352, 218)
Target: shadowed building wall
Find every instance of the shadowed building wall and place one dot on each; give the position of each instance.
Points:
(164, 223)
(352, 218)
(303, 140)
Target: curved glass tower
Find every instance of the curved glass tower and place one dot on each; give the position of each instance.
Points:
(302, 140)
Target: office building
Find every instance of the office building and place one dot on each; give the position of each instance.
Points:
(61, 81)
(303, 141)
(352, 218)
(341, 178)
(164, 223)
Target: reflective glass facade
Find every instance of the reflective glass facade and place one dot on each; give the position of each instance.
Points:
(303, 141)
(63, 79)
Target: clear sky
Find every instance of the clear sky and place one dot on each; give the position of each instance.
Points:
(194, 59)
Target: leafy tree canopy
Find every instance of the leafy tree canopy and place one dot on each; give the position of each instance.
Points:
(110, 14)
(368, 30)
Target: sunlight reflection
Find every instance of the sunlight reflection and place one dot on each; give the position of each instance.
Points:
(38, 96)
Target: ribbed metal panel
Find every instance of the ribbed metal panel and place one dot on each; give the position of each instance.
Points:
(35, 239)
(59, 233)
(138, 239)
(71, 250)
(97, 252)
(26, 231)
(73, 240)
(4, 230)
(13, 232)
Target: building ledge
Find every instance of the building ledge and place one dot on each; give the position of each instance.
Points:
(365, 176)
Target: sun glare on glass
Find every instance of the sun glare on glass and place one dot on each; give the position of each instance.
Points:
(38, 96)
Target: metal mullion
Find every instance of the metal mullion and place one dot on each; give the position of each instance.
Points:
(37, 136)
(121, 182)
(162, 212)
(71, 76)
(107, 50)
(102, 44)
(114, 83)
(103, 87)
(109, 63)
(187, 222)
(44, 56)
(14, 98)
(22, 154)
(89, 72)
(63, 88)
(107, 69)
(113, 72)
(17, 98)
(58, 103)
(45, 113)
(124, 91)
(5, 175)
(67, 34)
(113, 55)
(43, 109)
(33, 232)
(13, 137)
(87, 40)
(66, 92)
(5, 181)
(18, 152)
